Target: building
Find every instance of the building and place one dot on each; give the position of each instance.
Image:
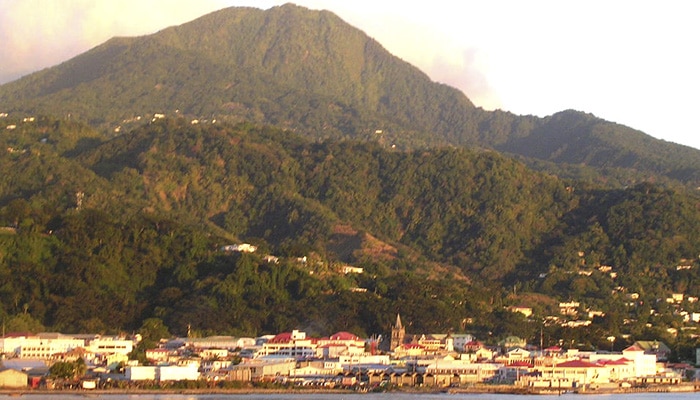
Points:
(162, 373)
(340, 344)
(460, 341)
(141, 373)
(177, 373)
(571, 373)
(436, 343)
(292, 344)
(655, 347)
(13, 379)
(526, 311)
(448, 371)
(158, 356)
(258, 369)
(212, 366)
(569, 308)
(212, 342)
(213, 354)
(398, 334)
(348, 269)
(40, 346)
(109, 346)
(240, 248)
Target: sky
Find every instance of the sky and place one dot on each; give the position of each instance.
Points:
(634, 62)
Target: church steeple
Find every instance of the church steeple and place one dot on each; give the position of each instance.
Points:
(398, 334)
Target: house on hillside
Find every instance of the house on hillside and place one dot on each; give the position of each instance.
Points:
(569, 308)
(526, 311)
(512, 342)
(240, 248)
(349, 269)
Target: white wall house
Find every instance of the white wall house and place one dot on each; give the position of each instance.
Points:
(108, 346)
(41, 346)
(162, 373)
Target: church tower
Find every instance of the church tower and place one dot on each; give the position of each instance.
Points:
(398, 333)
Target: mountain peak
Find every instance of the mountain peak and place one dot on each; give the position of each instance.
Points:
(311, 72)
(288, 66)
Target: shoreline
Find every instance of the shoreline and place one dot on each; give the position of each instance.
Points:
(476, 389)
(685, 387)
(96, 392)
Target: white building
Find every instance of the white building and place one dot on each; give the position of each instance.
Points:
(213, 342)
(460, 340)
(107, 346)
(290, 345)
(141, 373)
(242, 248)
(178, 373)
(346, 361)
(41, 346)
(162, 373)
(448, 370)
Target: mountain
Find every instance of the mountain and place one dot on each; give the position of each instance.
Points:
(287, 66)
(311, 72)
(290, 130)
(574, 138)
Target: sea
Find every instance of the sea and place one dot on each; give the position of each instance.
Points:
(364, 396)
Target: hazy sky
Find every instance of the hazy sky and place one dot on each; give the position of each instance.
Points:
(631, 62)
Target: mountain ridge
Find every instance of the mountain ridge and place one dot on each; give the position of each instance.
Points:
(312, 73)
(442, 204)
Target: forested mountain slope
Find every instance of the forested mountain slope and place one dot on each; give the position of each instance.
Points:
(311, 72)
(100, 235)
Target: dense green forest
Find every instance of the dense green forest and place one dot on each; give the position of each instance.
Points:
(102, 235)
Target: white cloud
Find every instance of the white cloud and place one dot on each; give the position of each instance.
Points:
(41, 33)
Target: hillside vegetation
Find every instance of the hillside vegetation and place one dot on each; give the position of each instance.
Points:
(103, 234)
(127, 170)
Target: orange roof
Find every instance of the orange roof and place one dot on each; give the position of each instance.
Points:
(520, 364)
(283, 337)
(577, 364)
(18, 334)
(621, 361)
(344, 336)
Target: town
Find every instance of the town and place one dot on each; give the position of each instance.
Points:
(341, 360)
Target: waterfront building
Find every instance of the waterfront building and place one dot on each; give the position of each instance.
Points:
(40, 346)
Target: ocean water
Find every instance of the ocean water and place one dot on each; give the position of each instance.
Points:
(367, 396)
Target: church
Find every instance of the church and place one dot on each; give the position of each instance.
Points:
(418, 344)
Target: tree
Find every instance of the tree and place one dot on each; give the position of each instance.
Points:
(153, 330)
(68, 370)
(23, 323)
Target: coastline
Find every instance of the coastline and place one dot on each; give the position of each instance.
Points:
(96, 392)
(686, 387)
